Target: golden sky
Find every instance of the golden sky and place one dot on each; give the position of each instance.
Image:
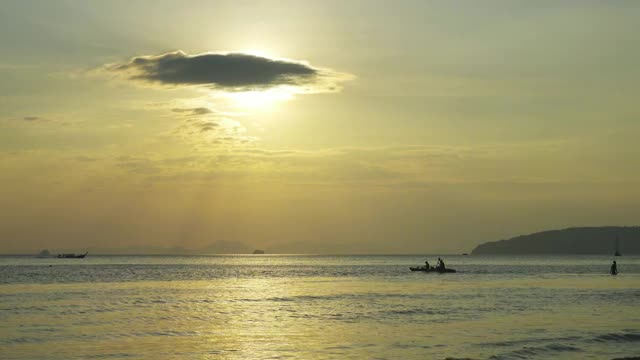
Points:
(315, 126)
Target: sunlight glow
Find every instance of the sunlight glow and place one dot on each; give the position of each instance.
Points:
(255, 99)
(258, 52)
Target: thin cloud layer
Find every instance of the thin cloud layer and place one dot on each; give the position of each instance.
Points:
(228, 71)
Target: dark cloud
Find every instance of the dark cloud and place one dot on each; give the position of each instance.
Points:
(207, 126)
(221, 70)
(193, 111)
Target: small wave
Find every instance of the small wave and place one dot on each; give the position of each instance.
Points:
(109, 356)
(532, 351)
(171, 333)
(22, 340)
(336, 297)
(613, 337)
(416, 311)
(338, 348)
(529, 341)
(412, 346)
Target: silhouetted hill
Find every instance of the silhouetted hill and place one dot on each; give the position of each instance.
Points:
(582, 240)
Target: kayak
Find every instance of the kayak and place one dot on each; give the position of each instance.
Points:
(423, 269)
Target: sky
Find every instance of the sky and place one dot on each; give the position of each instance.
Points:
(315, 126)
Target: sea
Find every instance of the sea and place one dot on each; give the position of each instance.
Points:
(319, 307)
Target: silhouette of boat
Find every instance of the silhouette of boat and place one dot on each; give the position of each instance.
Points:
(617, 249)
(432, 269)
(72, 256)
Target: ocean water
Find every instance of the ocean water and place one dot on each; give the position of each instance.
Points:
(318, 307)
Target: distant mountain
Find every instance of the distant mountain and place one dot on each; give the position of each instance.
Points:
(218, 247)
(579, 240)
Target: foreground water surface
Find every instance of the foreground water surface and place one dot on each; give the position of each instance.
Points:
(318, 307)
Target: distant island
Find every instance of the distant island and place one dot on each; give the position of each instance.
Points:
(578, 240)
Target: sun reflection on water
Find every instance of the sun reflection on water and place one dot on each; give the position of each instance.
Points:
(264, 314)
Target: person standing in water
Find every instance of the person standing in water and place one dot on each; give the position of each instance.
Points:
(426, 265)
(614, 268)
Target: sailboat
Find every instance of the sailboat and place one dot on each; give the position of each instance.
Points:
(617, 250)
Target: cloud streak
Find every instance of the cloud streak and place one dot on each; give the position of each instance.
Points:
(27, 119)
(196, 111)
(202, 126)
(234, 71)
